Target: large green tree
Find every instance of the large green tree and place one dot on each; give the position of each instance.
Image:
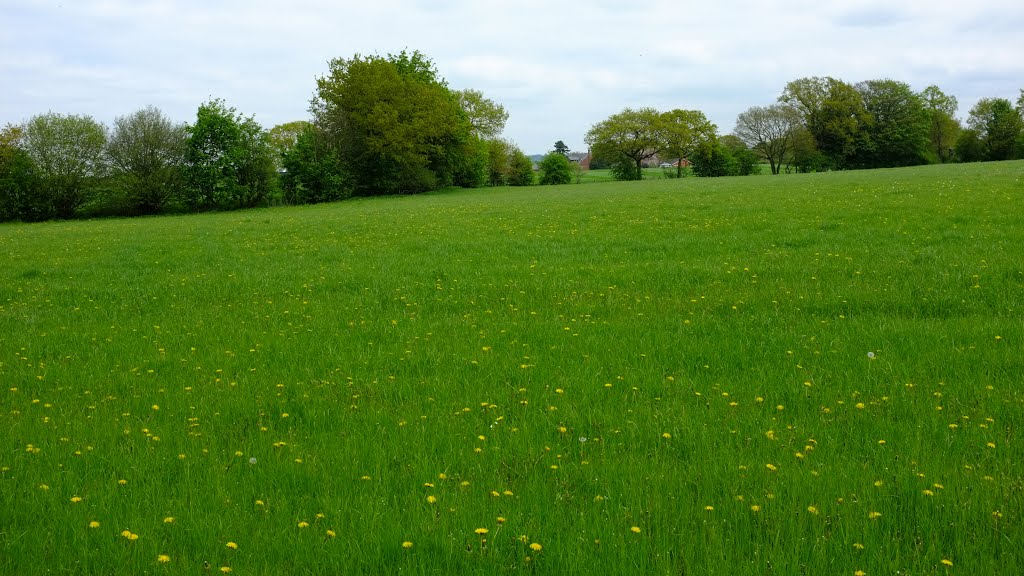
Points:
(899, 128)
(943, 127)
(147, 155)
(770, 131)
(834, 113)
(393, 122)
(229, 160)
(486, 117)
(68, 151)
(998, 126)
(683, 131)
(627, 139)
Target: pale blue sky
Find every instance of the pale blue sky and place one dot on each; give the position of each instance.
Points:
(557, 67)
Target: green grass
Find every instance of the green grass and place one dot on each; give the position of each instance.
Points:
(577, 360)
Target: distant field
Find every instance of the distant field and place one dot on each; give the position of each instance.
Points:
(811, 374)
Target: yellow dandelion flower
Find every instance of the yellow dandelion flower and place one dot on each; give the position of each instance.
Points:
(169, 520)
(878, 483)
(635, 529)
(126, 533)
(155, 407)
(507, 493)
(874, 515)
(260, 503)
(122, 482)
(666, 436)
(232, 545)
(331, 534)
(76, 499)
(431, 499)
(947, 562)
(860, 573)
(406, 544)
(812, 509)
(44, 487)
(536, 547)
(94, 524)
(990, 445)
(771, 467)
(133, 536)
(928, 492)
(303, 524)
(858, 545)
(755, 508)
(501, 520)
(709, 508)
(225, 569)
(163, 558)
(481, 531)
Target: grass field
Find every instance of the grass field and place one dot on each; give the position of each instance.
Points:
(815, 374)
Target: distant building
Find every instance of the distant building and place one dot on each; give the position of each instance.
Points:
(582, 159)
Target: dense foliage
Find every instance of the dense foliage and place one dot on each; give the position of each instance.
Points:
(555, 168)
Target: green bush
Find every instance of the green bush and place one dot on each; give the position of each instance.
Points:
(555, 169)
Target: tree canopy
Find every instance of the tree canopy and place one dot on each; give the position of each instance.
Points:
(898, 131)
(393, 123)
(68, 151)
(834, 113)
(147, 154)
(770, 131)
(627, 139)
(230, 163)
(683, 131)
(486, 117)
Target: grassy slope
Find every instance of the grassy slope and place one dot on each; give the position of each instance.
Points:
(691, 332)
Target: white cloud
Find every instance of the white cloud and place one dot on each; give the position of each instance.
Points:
(557, 66)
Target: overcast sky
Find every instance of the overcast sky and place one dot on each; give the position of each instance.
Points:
(557, 67)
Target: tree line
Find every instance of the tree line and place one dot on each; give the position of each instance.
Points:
(392, 125)
(818, 123)
(380, 125)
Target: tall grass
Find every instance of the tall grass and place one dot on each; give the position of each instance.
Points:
(814, 374)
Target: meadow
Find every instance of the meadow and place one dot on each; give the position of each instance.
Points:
(810, 374)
